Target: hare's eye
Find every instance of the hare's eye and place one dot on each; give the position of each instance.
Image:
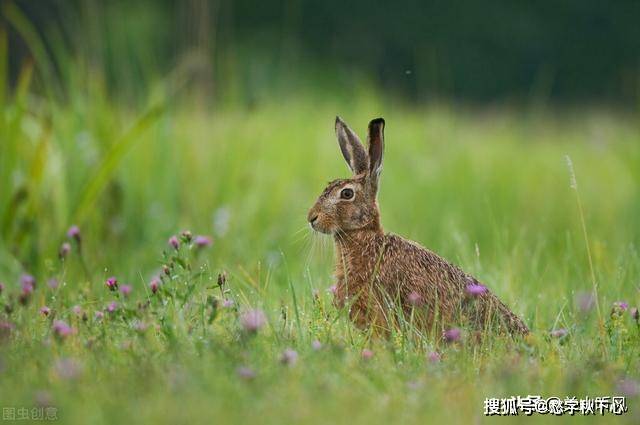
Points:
(346, 193)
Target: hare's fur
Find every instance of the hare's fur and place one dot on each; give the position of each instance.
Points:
(376, 272)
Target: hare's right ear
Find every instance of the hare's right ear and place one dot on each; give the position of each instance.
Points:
(351, 147)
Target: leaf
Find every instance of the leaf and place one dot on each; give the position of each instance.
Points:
(103, 174)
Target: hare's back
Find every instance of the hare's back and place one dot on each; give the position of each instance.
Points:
(415, 266)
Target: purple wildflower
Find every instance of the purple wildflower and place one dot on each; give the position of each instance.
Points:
(61, 329)
(5, 330)
(202, 241)
(628, 387)
(174, 242)
(227, 303)
(621, 305)
(476, 289)
(77, 310)
(333, 289)
(246, 373)
(99, 315)
(74, 233)
(559, 333)
(366, 354)
(126, 290)
(112, 307)
(45, 311)
(316, 345)
(111, 283)
(154, 285)
(53, 283)
(28, 283)
(585, 301)
(434, 357)
(289, 357)
(68, 369)
(253, 320)
(43, 399)
(65, 249)
(140, 326)
(415, 299)
(452, 335)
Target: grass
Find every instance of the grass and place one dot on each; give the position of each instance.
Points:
(489, 190)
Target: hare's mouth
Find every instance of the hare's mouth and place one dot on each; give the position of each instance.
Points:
(319, 228)
(319, 225)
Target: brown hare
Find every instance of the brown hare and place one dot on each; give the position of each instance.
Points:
(377, 272)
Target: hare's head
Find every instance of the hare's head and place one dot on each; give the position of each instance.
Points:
(350, 204)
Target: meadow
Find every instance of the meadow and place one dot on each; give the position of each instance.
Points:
(110, 319)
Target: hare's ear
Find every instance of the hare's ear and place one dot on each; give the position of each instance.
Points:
(375, 140)
(351, 148)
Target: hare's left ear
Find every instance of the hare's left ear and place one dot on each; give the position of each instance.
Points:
(375, 140)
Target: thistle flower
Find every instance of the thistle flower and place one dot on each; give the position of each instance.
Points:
(111, 283)
(53, 283)
(99, 315)
(61, 329)
(65, 249)
(5, 330)
(434, 357)
(68, 369)
(174, 242)
(289, 357)
(154, 285)
(628, 387)
(227, 303)
(28, 283)
(202, 241)
(112, 307)
(559, 333)
(126, 290)
(43, 399)
(452, 335)
(316, 345)
(222, 279)
(253, 320)
(366, 354)
(621, 305)
(415, 299)
(77, 310)
(45, 311)
(186, 235)
(74, 233)
(476, 289)
(333, 289)
(139, 326)
(246, 373)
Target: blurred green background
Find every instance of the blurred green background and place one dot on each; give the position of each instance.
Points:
(245, 51)
(138, 119)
